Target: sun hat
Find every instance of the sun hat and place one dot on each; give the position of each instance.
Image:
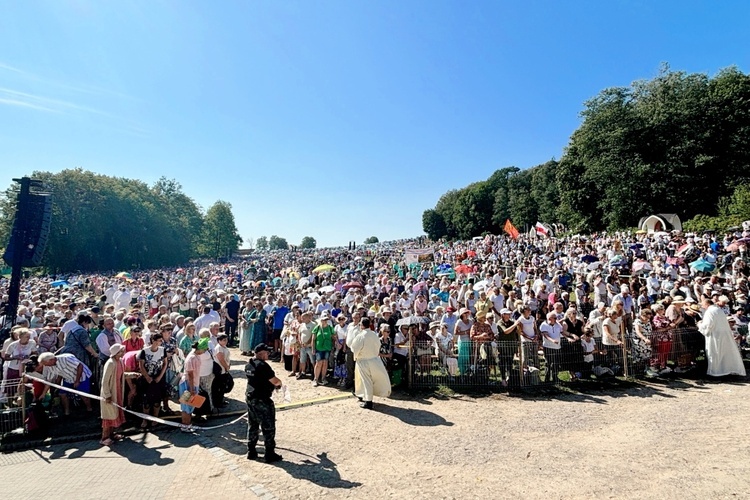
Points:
(114, 349)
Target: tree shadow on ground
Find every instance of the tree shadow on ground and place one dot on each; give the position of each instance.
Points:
(321, 471)
(412, 416)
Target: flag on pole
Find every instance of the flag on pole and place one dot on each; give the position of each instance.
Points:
(511, 229)
(540, 229)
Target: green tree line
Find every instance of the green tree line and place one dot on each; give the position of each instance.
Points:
(107, 223)
(679, 143)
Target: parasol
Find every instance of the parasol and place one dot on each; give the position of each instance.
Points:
(702, 265)
(352, 284)
(324, 268)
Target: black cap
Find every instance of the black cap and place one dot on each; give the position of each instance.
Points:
(96, 309)
(263, 347)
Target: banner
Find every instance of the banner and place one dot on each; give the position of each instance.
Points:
(540, 229)
(419, 255)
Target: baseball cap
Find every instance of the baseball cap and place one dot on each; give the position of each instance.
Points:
(263, 347)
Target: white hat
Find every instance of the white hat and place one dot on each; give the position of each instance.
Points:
(115, 348)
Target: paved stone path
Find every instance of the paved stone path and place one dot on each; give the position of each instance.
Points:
(160, 466)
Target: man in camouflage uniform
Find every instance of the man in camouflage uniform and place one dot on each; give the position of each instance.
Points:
(261, 412)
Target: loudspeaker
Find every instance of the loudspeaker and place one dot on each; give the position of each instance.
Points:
(36, 212)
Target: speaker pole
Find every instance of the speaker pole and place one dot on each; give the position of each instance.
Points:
(11, 309)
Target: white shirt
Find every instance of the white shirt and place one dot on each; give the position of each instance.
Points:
(528, 328)
(552, 331)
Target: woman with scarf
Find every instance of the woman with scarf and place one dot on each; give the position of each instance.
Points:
(112, 391)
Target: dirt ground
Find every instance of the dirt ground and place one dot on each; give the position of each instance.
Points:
(677, 439)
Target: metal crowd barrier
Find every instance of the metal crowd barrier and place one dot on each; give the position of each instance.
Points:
(12, 405)
(670, 353)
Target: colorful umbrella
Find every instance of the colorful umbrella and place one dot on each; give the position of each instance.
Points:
(641, 265)
(59, 283)
(733, 247)
(702, 265)
(464, 269)
(419, 286)
(180, 270)
(123, 274)
(675, 261)
(324, 268)
(352, 284)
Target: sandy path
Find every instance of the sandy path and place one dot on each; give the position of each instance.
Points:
(677, 440)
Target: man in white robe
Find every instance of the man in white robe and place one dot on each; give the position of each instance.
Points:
(370, 377)
(721, 349)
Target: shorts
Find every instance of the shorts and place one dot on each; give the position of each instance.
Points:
(305, 354)
(321, 355)
(83, 386)
(277, 333)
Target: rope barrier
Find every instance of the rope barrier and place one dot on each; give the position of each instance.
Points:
(145, 416)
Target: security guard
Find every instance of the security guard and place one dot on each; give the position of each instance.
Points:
(261, 381)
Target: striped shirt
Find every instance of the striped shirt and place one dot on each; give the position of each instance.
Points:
(67, 368)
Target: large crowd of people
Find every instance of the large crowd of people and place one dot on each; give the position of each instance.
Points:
(656, 303)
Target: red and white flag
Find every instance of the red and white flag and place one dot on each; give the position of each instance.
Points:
(540, 229)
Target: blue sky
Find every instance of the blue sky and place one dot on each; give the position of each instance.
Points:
(334, 119)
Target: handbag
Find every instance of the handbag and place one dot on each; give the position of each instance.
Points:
(217, 369)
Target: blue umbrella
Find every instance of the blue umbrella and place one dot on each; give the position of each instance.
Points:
(702, 265)
(59, 283)
(588, 259)
(444, 267)
(637, 245)
(618, 261)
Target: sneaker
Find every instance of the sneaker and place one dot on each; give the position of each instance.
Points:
(324, 382)
(367, 405)
(272, 457)
(665, 371)
(533, 369)
(315, 383)
(650, 372)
